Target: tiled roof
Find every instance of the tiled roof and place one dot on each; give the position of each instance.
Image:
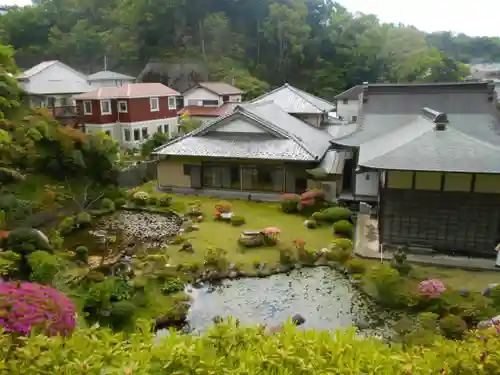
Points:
(128, 91)
(389, 107)
(208, 111)
(220, 88)
(350, 94)
(419, 146)
(294, 100)
(288, 138)
(107, 74)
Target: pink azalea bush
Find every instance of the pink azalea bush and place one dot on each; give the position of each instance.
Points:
(26, 306)
(431, 288)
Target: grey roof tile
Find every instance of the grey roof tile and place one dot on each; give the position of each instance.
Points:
(220, 88)
(107, 74)
(333, 162)
(350, 94)
(418, 146)
(291, 138)
(389, 107)
(294, 100)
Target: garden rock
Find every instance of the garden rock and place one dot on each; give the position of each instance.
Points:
(251, 238)
(488, 323)
(187, 247)
(233, 275)
(487, 291)
(226, 215)
(298, 319)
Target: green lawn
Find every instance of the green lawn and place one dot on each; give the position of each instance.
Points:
(224, 236)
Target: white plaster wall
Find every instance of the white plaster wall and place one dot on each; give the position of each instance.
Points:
(347, 111)
(117, 130)
(367, 183)
(57, 75)
(235, 98)
(195, 96)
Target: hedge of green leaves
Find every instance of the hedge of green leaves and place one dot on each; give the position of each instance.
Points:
(227, 349)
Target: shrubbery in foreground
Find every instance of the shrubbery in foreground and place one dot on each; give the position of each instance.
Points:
(226, 349)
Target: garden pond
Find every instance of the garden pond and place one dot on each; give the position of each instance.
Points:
(323, 296)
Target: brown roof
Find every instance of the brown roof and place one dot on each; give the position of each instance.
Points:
(208, 111)
(220, 88)
(128, 91)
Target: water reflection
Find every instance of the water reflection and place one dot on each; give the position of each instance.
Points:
(324, 297)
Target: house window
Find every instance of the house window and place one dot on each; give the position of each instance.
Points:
(225, 98)
(172, 102)
(87, 107)
(210, 103)
(137, 135)
(105, 107)
(221, 176)
(263, 178)
(345, 101)
(64, 102)
(354, 118)
(187, 169)
(122, 106)
(165, 129)
(160, 128)
(154, 104)
(126, 135)
(145, 134)
(52, 102)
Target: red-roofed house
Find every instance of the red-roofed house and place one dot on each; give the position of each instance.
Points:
(130, 113)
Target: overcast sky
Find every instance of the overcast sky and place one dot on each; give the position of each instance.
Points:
(476, 18)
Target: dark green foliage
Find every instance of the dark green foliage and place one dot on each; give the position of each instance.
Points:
(172, 285)
(122, 314)
(355, 266)
(287, 256)
(290, 203)
(237, 221)
(107, 204)
(453, 327)
(157, 140)
(120, 202)
(44, 267)
(83, 219)
(164, 200)
(26, 240)
(333, 214)
(343, 228)
(68, 224)
(82, 254)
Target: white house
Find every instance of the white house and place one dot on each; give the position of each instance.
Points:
(348, 104)
(107, 78)
(212, 94)
(52, 84)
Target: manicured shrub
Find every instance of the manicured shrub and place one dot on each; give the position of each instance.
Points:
(287, 256)
(453, 327)
(216, 258)
(338, 254)
(178, 206)
(290, 203)
(107, 204)
(44, 267)
(82, 254)
(120, 202)
(67, 225)
(172, 285)
(83, 219)
(311, 224)
(355, 266)
(390, 288)
(164, 200)
(27, 307)
(122, 314)
(342, 243)
(27, 240)
(223, 206)
(153, 200)
(343, 228)
(333, 214)
(237, 221)
(140, 198)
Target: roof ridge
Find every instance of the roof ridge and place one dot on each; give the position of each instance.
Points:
(301, 92)
(479, 141)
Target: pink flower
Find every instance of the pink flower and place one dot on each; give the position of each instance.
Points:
(431, 288)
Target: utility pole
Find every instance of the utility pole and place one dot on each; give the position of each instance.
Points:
(105, 62)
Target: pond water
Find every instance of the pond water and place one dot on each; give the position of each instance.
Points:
(324, 297)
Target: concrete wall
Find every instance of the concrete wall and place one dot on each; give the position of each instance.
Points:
(137, 175)
(367, 184)
(110, 83)
(348, 111)
(171, 172)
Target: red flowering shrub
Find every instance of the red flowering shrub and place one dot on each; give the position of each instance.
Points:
(26, 306)
(311, 201)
